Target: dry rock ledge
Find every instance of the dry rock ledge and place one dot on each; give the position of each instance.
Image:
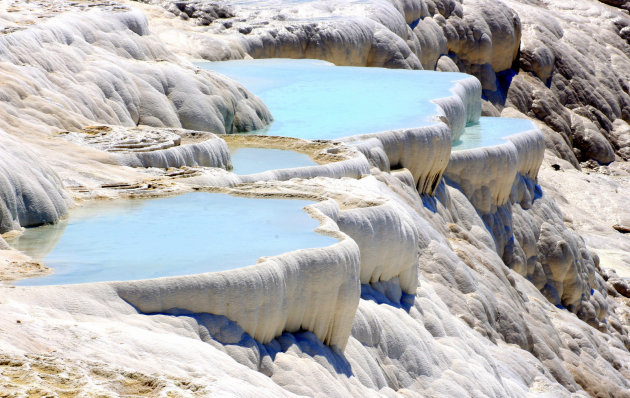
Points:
(456, 273)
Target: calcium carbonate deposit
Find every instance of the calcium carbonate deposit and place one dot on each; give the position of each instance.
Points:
(375, 198)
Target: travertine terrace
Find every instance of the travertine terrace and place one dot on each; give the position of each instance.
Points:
(495, 271)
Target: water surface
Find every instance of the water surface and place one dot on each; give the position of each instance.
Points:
(316, 100)
(188, 234)
(489, 131)
(247, 160)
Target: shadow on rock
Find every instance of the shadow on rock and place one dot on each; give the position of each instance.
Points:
(388, 293)
(227, 336)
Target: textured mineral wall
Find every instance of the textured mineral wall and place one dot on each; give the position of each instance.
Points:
(564, 65)
(31, 193)
(73, 69)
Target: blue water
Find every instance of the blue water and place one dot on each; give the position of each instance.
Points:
(181, 235)
(317, 100)
(490, 131)
(256, 160)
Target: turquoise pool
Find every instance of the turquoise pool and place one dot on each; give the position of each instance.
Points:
(188, 234)
(316, 100)
(489, 131)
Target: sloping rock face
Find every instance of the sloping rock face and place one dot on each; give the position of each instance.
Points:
(73, 70)
(577, 64)
(31, 193)
(482, 37)
(471, 323)
(565, 65)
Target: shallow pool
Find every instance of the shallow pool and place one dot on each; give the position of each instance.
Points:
(316, 100)
(188, 234)
(247, 160)
(489, 131)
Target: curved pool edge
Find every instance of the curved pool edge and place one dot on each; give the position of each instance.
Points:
(310, 289)
(486, 175)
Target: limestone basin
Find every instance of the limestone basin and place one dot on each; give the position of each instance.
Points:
(251, 160)
(314, 99)
(148, 238)
(491, 131)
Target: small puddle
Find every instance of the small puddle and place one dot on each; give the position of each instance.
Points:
(148, 238)
(248, 160)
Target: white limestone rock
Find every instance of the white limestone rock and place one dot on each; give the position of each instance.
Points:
(620, 138)
(152, 147)
(580, 56)
(81, 68)
(424, 151)
(31, 193)
(314, 289)
(74, 70)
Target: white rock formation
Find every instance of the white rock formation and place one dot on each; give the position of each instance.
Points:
(160, 148)
(448, 338)
(487, 175)
(30, 192)
(425, 151)
(577, 63)
(76, 69)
